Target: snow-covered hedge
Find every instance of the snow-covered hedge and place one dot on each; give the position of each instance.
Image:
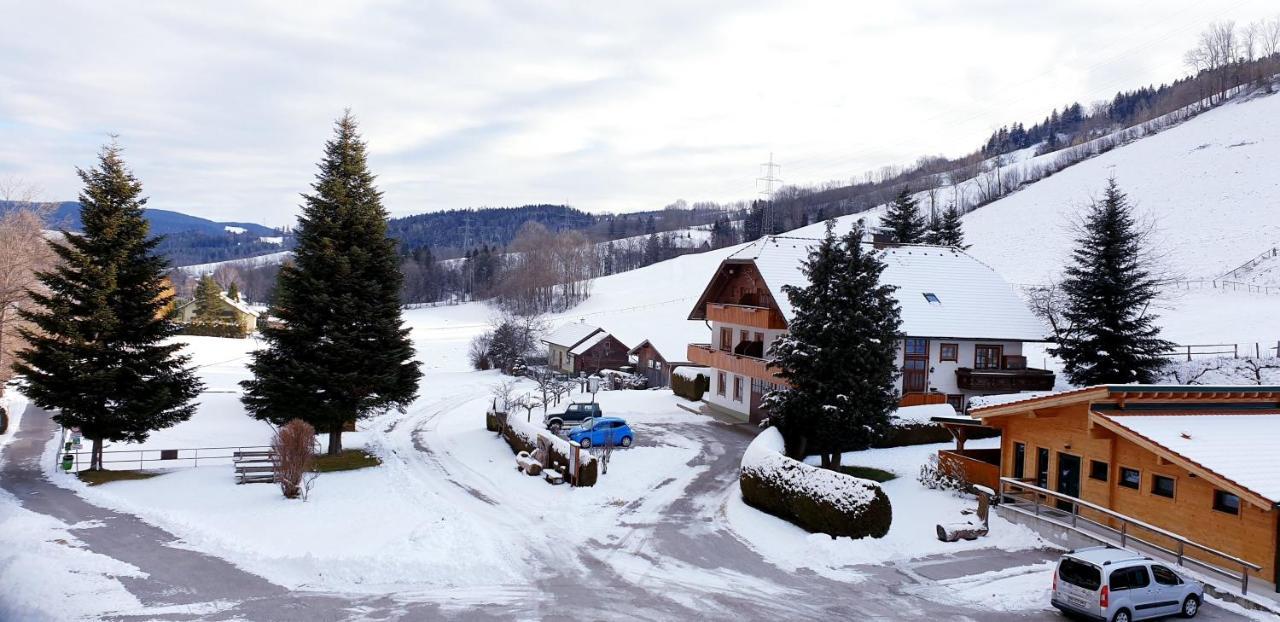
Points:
(523, 435)
(690, 382)
(816, 499)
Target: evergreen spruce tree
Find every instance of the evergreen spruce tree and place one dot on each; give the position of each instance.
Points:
(1108, 335)
(233, 292)
(947, 229)
(840, 354)
(903, 219)
(341, 352)
(208, 301)
(98, 354)
(753, 224)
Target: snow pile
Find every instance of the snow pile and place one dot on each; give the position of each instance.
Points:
(691, 372)
(816, 499)
(921, 414)
(1229, 371)
(14, 404)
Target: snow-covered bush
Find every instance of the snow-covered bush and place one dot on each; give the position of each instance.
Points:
(939, 475)
(818, 500)
(690, 382)
(614, 380)
(523, 435)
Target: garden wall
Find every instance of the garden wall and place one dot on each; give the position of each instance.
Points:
(818, 500)
(522, 435)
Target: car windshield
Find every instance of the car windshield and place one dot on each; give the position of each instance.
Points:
(1080, 574)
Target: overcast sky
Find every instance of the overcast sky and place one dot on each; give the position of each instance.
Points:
(223, 107)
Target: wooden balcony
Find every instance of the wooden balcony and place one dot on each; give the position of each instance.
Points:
(1004, 380)
(703, 354)
(745, 315)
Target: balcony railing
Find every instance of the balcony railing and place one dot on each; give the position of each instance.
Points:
(1010, 380)
(745, 315)
(704, 354)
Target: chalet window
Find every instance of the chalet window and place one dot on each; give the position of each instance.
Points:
(1019, 459)
(726, 339)
(1130, 478)
(744, 336)
(987, 357)
(720, 383)
(949, 352)
(956, 401)
(1162, 486)
(932, 298)
(1224, 501)
(737, 388)
(1099, 470)
(915, 346)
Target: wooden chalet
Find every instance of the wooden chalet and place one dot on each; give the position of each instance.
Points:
(1198, 461)
(656, 357)
(964, 326)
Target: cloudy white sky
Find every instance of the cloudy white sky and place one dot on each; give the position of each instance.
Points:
(223, 106)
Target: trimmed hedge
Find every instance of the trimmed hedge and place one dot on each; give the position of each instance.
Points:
(817, 500)
(917, 433)
(691, 390)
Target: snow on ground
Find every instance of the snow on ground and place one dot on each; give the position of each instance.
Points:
(13, 403)
(1022, 588)
(42, 564)
(916, 511)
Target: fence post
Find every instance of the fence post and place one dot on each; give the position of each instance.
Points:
(1181, 544)
(1124, 532)
(1188, 353)
(1235, 350)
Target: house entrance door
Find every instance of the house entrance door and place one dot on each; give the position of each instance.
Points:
(1068, 478)
(915, 365)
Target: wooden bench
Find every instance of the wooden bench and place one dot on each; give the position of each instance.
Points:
(254, 467)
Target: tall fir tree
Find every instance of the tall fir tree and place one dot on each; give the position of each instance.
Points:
(99, 354)
(753, 223)
(1108, 335)
(947, 229)
(839, 355)
(208, 301)
(233, 291)
(341, 352)
(903, 219)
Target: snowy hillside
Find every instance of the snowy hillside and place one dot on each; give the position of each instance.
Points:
(1210, 185)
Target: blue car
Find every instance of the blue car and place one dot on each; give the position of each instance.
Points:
(601, 432)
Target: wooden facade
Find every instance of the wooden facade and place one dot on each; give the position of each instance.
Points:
(653, 365)
(1074, 443)
(609, 353)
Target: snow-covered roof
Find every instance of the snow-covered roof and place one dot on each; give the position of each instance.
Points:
(235, 304)
(1235, 446)
(973, 302)
(983, 401)
(672, 347)
(588, 343)
(924, 413)
(570, 334)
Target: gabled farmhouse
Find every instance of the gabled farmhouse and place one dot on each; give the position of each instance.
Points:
(582, 348)
(229, 310)
(657, 356)
(963, 325)
(1197, 461)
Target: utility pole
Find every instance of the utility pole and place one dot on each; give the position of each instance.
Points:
(770, 178)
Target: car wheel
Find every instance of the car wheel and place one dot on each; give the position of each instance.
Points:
(1122, 616)
(586, 443)
(1190, 607)
(626, 441)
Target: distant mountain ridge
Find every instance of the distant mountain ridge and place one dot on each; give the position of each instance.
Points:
(66, 215)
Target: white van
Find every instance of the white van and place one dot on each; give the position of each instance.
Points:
(1115, 585)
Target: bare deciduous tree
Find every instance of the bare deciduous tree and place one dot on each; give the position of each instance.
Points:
(25, 252)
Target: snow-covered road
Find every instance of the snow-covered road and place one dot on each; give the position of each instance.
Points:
(670, 556)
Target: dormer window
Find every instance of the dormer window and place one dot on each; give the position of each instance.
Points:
(932, 298)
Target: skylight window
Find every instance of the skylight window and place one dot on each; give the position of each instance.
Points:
(932, 298)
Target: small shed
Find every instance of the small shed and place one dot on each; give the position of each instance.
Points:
(657, 357)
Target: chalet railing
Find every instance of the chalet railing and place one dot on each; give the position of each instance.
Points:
(1011, 380)
(703, 354)
(1033, 499)
(745, 315)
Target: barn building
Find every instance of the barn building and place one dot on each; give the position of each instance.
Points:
(578, 348)
(652, 362)
(964, 327)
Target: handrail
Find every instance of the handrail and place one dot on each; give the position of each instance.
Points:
(1126, 521)
(193, 455)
